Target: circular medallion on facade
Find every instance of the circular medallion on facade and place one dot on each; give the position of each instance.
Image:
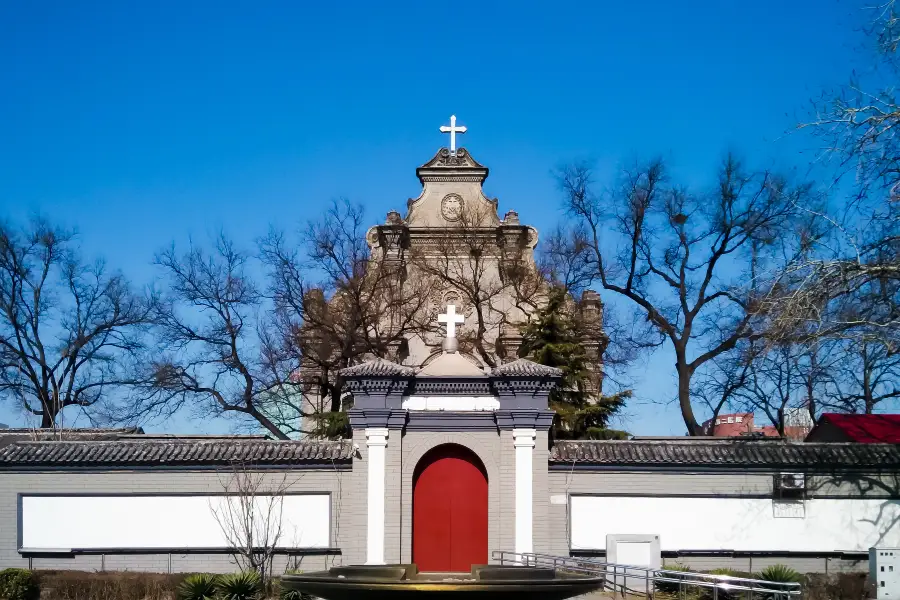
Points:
(455, 298)
(452, 297)
(451, 207)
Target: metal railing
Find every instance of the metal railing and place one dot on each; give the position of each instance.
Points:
(647, 581)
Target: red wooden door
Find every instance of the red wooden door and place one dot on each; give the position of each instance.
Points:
(450, 511)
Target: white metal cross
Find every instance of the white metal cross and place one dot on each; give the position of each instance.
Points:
(453, 130)
(451, 319)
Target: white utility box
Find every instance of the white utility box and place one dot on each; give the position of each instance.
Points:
(639, 552)
(884, 571)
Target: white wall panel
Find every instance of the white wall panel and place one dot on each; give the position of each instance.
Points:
(748, 524)
(451, 403)
(93, 522)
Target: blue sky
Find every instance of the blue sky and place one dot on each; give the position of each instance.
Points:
(142, 123)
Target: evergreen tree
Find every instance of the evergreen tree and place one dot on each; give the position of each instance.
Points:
(552, 338)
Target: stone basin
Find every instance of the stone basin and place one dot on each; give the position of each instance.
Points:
(382, 582)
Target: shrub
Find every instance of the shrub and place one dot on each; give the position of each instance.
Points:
(696, 592)
(18, 584)
(724, 593)
(240, 586)
(293, 595)
(780, 574)
(285, 594)
(671, 587)
(109, 585)
(201, 586)
(837, 586)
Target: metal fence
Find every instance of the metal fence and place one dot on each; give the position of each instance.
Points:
(647, 581)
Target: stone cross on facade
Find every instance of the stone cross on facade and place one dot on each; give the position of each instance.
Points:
(451, 319)
(453, 130)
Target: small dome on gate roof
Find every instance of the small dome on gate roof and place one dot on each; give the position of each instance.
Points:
(451, 364)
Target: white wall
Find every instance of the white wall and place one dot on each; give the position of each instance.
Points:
(748, 524)
(454, 403)
(95, 522)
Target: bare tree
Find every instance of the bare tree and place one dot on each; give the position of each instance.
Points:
(71, 332)
(338, 304)
(219, 352)
(850, 280)
(788, 383)
(842, 294)
(715, 387)
(778, 379)
(865, 379)
(566, 260)
(689, 264)
(859, 126)
(251, 517)
(493, 275)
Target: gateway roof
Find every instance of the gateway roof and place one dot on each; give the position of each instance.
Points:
(774, 454)
(133, 452)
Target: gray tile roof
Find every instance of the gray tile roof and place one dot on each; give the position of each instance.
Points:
(85, 433)
(525, 368)
(172, 452)
(726, 453)
(377, 368)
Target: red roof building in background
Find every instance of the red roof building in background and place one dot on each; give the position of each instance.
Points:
(743, 424)
(862, 429)
(732, 425)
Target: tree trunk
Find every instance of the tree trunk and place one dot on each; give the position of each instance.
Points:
(268, 424)
(868, 395)
(49, 414)
(684, 399)
(334, 396)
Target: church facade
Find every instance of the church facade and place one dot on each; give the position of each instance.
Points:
(452, 247)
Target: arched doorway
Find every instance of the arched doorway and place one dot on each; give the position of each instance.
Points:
(450, 510)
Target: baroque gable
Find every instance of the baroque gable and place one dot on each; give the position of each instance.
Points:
(451, 185)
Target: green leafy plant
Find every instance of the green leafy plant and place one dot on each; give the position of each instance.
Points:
(780, 574)
(553, 338)
(293, 595)
(723, 592)
(602, 433)
(18, 584)
(332, 425)
(200, 586)
(286, 594)
(240, 586)
(672, 587)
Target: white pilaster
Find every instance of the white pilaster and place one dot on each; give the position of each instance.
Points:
(376, 443)
(523, 439)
